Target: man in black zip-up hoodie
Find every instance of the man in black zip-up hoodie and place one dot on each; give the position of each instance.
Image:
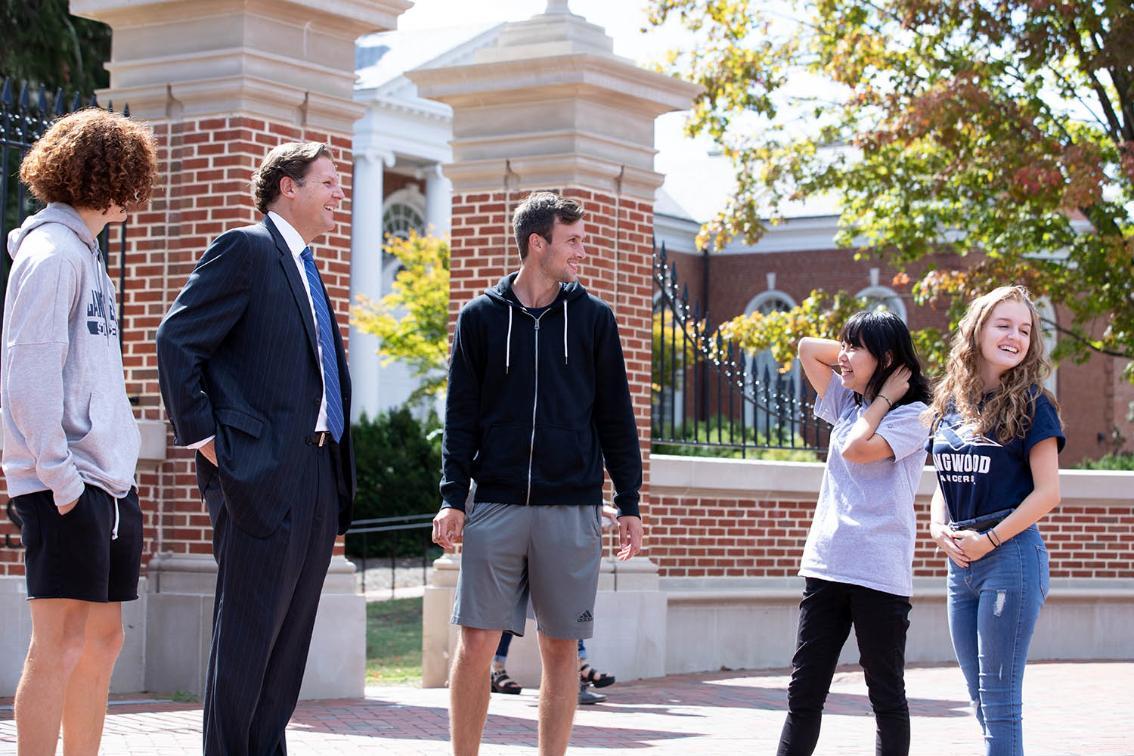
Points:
(538, 400)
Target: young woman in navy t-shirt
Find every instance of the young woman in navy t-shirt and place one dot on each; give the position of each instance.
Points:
(996, 441)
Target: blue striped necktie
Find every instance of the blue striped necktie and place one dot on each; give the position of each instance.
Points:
(323, 324)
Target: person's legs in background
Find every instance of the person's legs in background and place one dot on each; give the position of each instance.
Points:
(500, 681)
(588, 674)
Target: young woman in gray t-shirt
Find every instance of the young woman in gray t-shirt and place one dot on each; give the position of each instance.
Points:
(858, 560)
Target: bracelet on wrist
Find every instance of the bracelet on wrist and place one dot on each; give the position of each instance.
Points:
(993, 538)
(883, 396)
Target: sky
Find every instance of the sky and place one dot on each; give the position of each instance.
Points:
(700, 183)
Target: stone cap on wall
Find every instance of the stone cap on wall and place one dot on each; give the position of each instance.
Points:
(801, 480)
(551, 105)
(289, 60)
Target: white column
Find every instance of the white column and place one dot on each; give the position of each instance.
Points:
(365, 276)
(438, 202)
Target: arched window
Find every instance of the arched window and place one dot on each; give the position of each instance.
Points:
(885, 298)
(1050, 336)
(775, 393)
(668, 369)
(403, 211)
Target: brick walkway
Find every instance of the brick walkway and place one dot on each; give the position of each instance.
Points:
(1069, 708)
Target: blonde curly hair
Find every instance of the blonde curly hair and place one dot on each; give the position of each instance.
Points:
(1010, 408)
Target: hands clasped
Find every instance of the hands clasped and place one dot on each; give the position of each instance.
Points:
(962, 546)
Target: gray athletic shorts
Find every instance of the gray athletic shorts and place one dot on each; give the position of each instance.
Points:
(551, 553)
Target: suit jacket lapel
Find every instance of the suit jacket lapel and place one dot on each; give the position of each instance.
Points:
(291, 273)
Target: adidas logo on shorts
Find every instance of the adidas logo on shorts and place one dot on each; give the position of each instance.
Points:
(585, 617)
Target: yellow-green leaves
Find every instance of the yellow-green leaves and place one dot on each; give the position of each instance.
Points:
(412, 320)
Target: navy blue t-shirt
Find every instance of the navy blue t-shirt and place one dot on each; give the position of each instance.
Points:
(979, 475)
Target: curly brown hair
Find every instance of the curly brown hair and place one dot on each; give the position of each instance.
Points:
(92, 159)
(1010, 408)
(290, 159)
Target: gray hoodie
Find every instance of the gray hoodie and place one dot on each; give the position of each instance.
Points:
(67, 421)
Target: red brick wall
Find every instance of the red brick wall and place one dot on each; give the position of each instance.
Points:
(483, 250)
(203, 190)
(691, 536)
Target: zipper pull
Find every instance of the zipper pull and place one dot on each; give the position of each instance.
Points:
(537, 324)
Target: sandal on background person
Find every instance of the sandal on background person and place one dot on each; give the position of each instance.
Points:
(501, 683)
(589, 674)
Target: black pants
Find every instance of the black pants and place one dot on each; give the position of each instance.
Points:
(880, 621)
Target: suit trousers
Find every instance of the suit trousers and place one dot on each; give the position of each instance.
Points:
(266, 599)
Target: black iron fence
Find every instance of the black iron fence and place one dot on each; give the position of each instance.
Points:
(712, 398)
(391, 540)
(25, 114)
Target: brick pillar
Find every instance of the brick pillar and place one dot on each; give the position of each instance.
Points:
(551, 107)
(222, 83)
(618, 270)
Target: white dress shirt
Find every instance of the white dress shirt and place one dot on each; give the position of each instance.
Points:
(296, 245)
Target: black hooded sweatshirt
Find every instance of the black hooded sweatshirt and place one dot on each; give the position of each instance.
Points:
(536, 403)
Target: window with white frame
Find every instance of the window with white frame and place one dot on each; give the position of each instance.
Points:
(1050, 336)
(764, 381)
(398, 219)
(883, 297)
(403, 211)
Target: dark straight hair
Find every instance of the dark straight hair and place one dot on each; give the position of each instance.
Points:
(882, 333)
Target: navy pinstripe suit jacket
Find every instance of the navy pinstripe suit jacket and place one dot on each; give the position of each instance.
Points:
(238, 358)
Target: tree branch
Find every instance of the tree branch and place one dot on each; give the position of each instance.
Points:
(1100, 90)
(1081, 339)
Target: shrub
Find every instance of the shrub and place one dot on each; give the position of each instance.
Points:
(398, 460)
(1112, 461)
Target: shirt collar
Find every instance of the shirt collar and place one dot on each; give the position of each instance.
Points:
(290, 236)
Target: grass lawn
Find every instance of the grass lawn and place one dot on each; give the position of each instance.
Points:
(393, 642)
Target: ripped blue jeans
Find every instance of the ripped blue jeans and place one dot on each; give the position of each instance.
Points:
(993, 605)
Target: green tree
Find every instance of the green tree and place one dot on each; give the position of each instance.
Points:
(412, 321)
(999, 130)
(45, 44)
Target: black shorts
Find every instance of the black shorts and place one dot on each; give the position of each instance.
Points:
(76, 556)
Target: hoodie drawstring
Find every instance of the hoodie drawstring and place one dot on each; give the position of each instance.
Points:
(564, 331)
(114, 530)
(508, 347)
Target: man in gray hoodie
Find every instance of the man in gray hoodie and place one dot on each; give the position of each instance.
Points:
(70, 440)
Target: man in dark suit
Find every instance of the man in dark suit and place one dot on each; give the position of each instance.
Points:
(254, 377)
